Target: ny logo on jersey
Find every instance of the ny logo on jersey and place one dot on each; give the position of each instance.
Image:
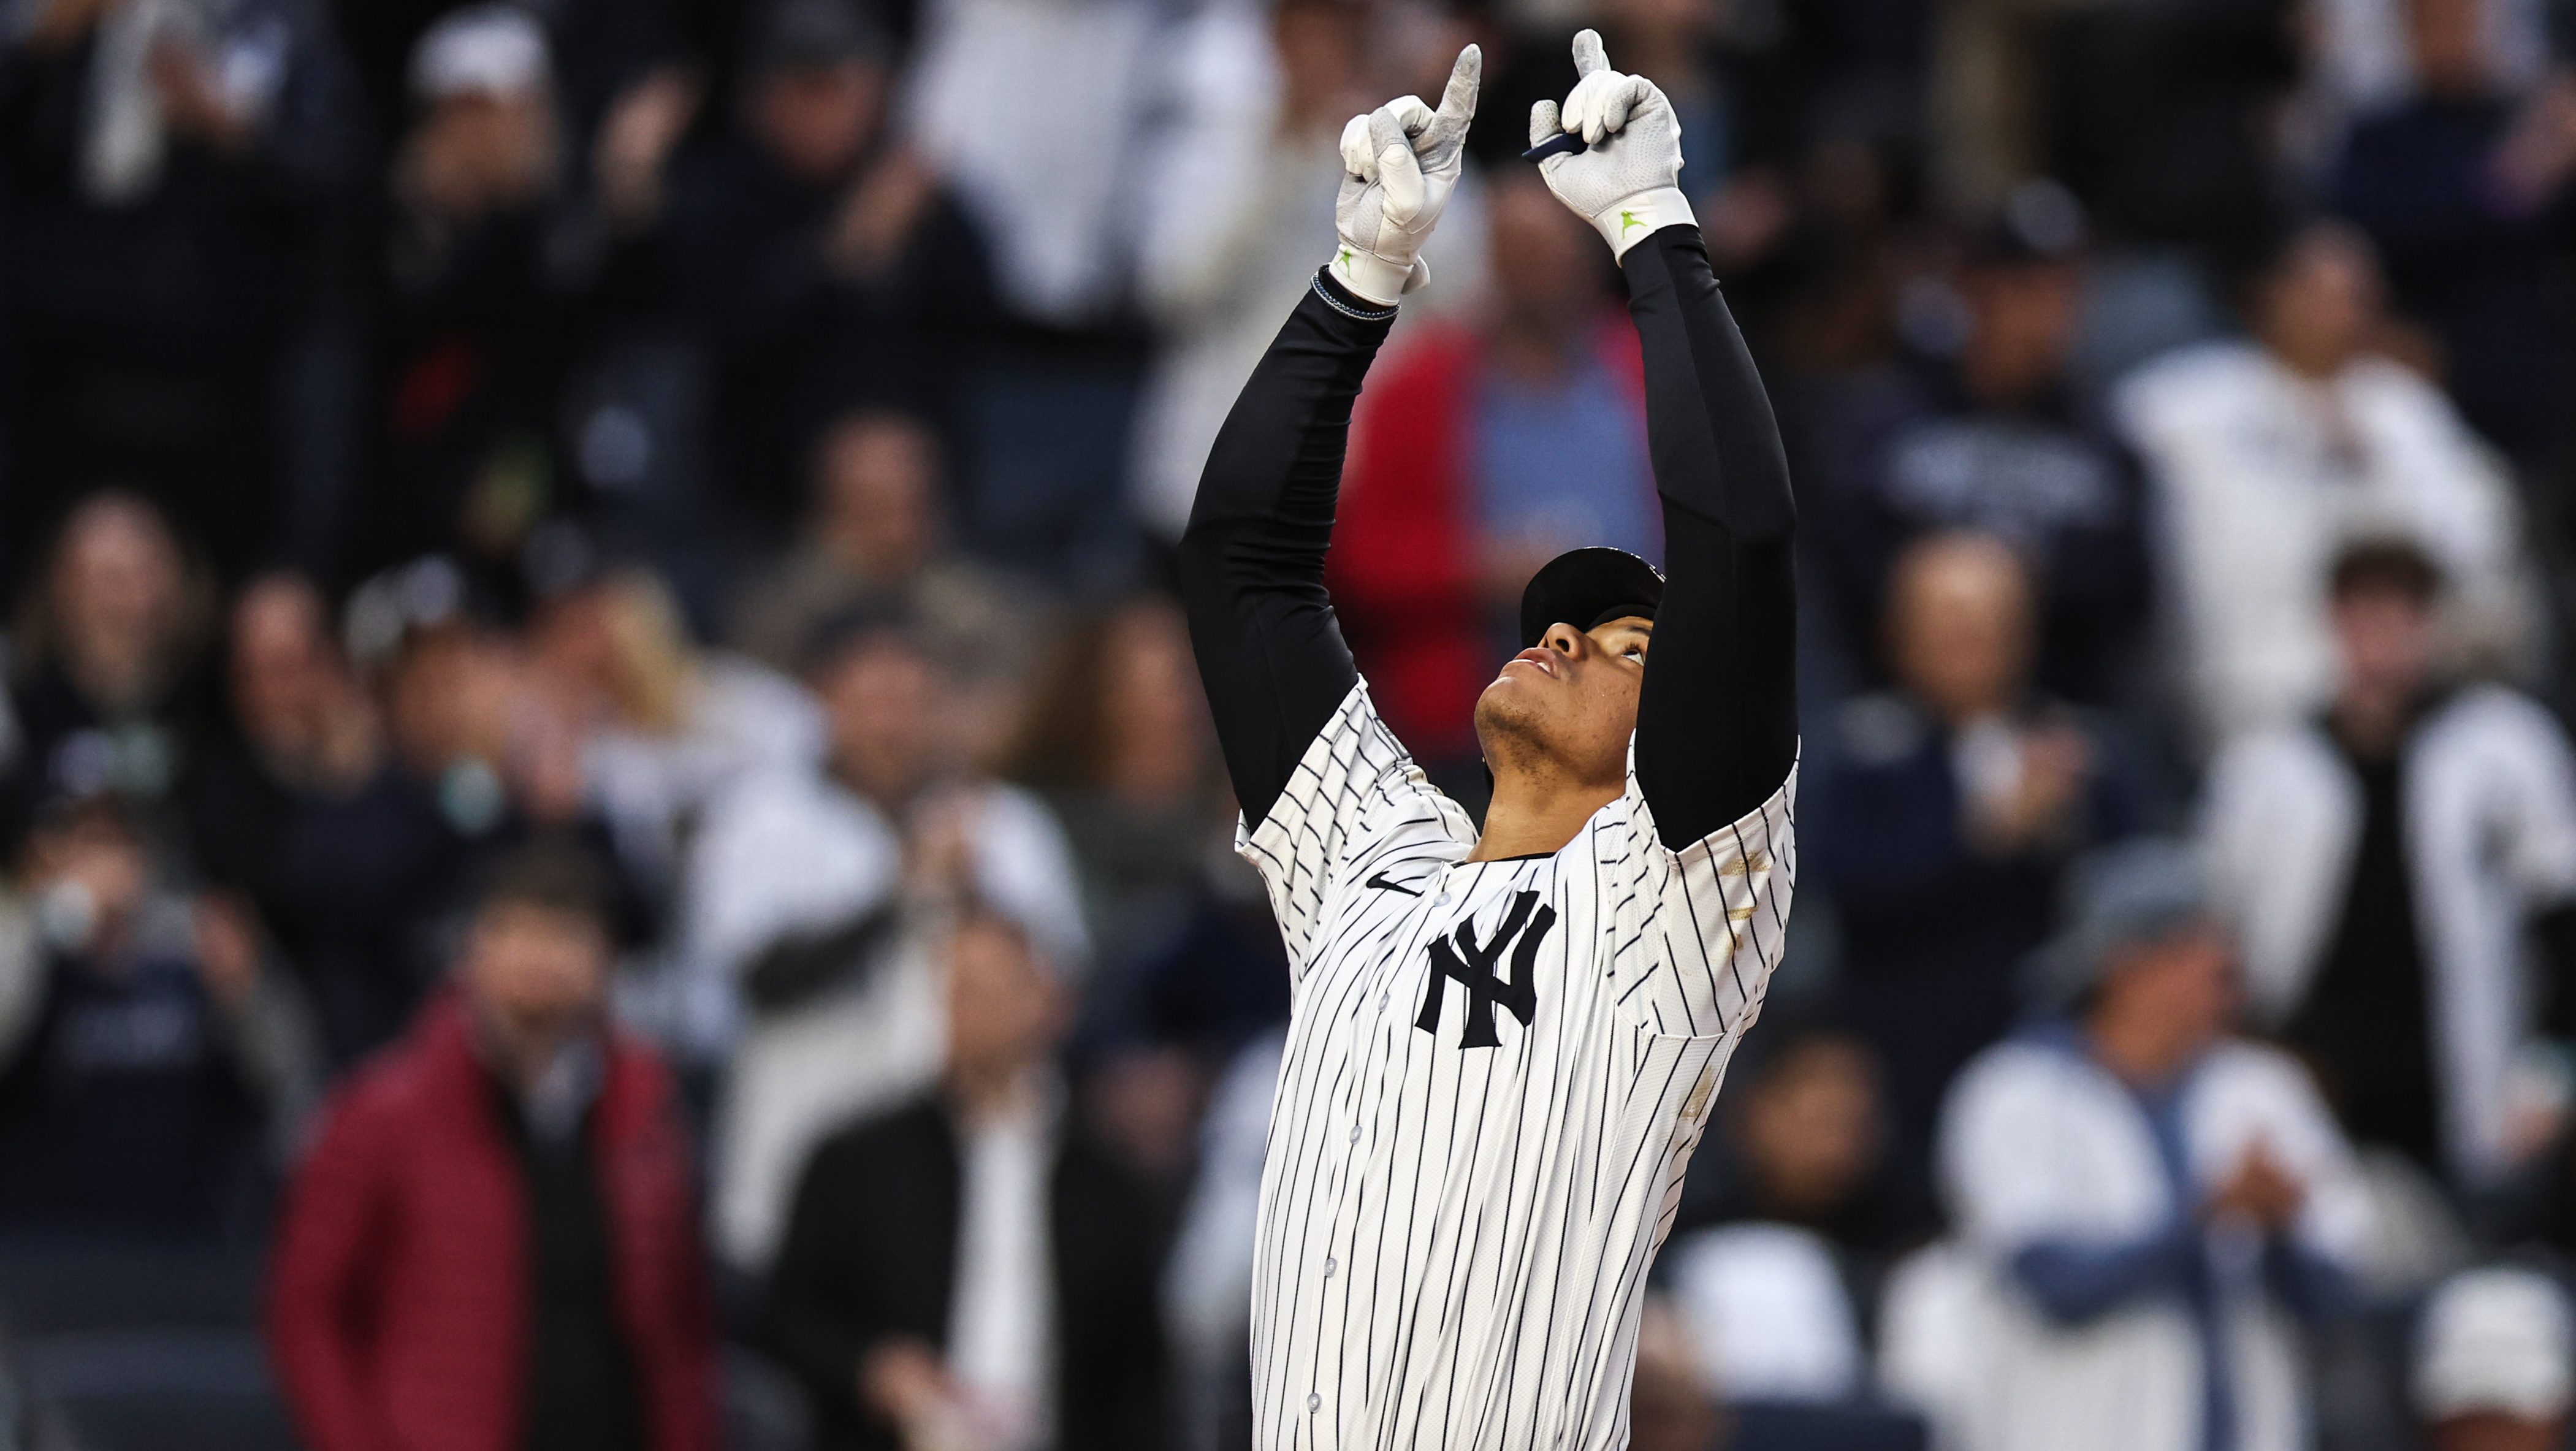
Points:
(1471, 965)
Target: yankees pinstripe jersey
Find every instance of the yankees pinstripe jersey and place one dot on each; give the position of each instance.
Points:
(1495, 1075)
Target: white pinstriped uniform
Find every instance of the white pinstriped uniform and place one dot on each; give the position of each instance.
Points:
(1453, 1238)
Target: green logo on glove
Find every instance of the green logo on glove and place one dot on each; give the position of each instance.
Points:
(1629, 219)
(1344, 261)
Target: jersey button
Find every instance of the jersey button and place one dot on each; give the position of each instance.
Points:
(1330, 1264)
(1314, 1402)
(1355, 1133)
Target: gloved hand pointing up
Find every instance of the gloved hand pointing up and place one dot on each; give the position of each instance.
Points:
(1626, 181)
(1400, 162)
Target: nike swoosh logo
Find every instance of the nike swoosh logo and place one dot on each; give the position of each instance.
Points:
(1382, 883)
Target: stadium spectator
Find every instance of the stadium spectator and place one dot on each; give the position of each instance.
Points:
(2494, 1362)
(796, 880)
(666, 727)
(2382, 866)
(493, 1242)
(154, 1060)
(1945, 816)
(2159, 117)
(300, 734)
(2360, 60)
(172, 174)
(478, 298)
(816, 255)
(2267, 453)
(1804, 1143)
(970, 1269)
(2460, 185)
(1478, 454)
(1031, 110)
(455, 760)
(1996, 439)
(1119, 741)
(297, 727)
(1002, 85)
(876, 532)
(2156, 1204)
(105, 663)
(602, 47)
(1786, 1223)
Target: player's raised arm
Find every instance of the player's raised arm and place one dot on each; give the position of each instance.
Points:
(1717, 715)
(1252, 559)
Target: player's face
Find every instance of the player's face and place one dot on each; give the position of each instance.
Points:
(1568, 703)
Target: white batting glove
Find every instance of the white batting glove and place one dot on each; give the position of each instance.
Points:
(1400, 162)
(1626, 181)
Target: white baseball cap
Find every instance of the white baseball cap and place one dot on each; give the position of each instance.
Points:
(482, 50)
(2496, 1341)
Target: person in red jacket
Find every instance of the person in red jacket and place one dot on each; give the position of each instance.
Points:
(494, 1243)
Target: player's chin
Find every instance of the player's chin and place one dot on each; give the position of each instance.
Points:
(1520, 691)
(1507, 699)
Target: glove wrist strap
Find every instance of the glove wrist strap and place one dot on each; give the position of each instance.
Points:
(1369, 275)
(1635, 218)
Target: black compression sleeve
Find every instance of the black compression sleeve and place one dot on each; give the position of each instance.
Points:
(1252, 560)
(1717, 723)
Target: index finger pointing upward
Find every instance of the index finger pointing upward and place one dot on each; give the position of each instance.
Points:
(1458, 102)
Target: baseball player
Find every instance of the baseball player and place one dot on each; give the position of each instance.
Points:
(1503, 1047)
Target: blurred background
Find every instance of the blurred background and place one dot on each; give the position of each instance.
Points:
(608, 836)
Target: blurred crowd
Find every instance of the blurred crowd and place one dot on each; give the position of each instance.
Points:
(602, 794)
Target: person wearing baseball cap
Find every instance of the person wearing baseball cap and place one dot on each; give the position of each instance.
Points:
(1989, 431)
(2495, 1362)
(494, 51)
(1568, 978)
(2153, 1198)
